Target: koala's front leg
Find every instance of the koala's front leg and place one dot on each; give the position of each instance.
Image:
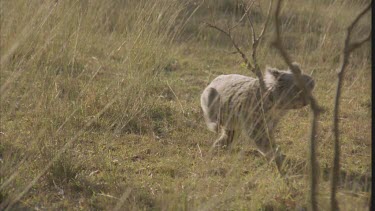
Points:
(267, 147)
(271, 152)
(225, 139)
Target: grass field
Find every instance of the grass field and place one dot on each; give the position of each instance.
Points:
(100, 106)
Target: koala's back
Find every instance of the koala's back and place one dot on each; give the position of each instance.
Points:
(238, 96)
(235, 87)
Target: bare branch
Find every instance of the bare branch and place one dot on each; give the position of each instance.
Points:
(359, 16)
(253, 34)
(228, 34)
(219, 29)
(313, 105)
(277, 43)
(359, 43)
(267, 21)
(348, 49)
(241, 19)
(255, 46)
(255, 40)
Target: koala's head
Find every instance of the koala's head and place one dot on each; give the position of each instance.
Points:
(285, 92)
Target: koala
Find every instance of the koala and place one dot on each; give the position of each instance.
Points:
(232, 103)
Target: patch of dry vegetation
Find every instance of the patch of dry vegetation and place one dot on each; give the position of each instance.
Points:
(100, 106)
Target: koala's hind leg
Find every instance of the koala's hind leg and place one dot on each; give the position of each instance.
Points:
(225, 139)
(210, 103)
(230, 137)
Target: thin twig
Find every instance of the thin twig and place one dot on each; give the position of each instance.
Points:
(253, 33)
(255, 44)
(348, 49)
(200, 151)
(243, 16)
(267, 21)
(178, 100)
(277, 43)
(306, 93)
(228, 34)
(107, 195)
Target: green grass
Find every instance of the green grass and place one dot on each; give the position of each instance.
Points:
(100, 106)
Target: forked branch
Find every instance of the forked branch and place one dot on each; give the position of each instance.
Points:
(277, 43)
(256, 40)
(229, 35)
(349, 47)
(253, 67)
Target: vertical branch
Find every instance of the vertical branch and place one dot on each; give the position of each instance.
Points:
(313, 105)
(255, 43)
(348, 48)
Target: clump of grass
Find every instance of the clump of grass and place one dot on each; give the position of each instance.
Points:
(64, 171)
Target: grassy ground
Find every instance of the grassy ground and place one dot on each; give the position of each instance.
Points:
(100, 106)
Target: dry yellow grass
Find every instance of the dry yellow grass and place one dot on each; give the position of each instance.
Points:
(100, 106)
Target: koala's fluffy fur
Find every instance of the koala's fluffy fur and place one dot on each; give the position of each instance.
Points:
(231, 104)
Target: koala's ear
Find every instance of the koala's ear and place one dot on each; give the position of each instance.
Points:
(273, 72)
(271, 76)
(297, 65)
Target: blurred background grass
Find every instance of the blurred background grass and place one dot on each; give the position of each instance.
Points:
(109, 91)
